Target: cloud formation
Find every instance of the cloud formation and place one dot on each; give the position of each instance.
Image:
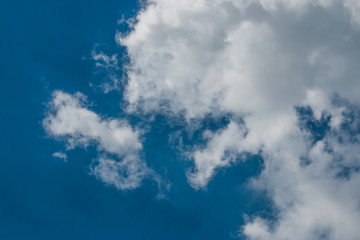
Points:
(221, 151)
(201, 56)
(108, 68)
(119, 163)
(264, 61)
(60, 155)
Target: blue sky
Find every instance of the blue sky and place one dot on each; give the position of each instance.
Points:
(192, 120)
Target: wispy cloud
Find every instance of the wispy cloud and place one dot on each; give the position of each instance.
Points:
(108, 66)
(60, 155)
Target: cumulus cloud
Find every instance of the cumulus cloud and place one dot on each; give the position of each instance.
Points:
(237, 57)
(119, 144)
(260, 60)
(317, 199)
(220, 151)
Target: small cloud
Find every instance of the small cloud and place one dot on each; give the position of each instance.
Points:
(60, 155)
(106, 66)
(119, 144)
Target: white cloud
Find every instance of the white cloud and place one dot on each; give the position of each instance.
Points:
(259, 60)
(125, 174)
(220, 152)
(316, 201)
(60, 155)
(104, 60)
(110, 65)
(69, 119)
(217, 53)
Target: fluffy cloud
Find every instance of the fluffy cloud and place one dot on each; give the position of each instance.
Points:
(237, 57)
(220, 152)
(313, 188)
(69, 119)
(260, 60)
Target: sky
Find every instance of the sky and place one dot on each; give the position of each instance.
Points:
(166, 119)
